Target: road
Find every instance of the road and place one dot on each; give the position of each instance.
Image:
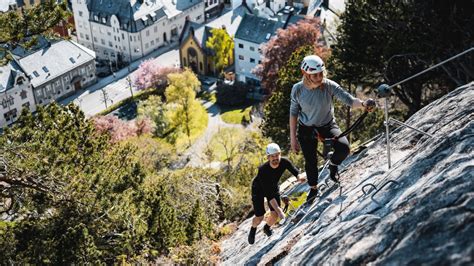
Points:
(115, 89)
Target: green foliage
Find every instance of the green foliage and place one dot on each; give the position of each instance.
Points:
(197, 226)
(155, 109)
(232, 95)
(223, 45)
(392, 40)
(16, 27)
(181, 98)
(277, 108)
(77, 198)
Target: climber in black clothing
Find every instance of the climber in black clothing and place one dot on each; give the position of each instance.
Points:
(265, 184)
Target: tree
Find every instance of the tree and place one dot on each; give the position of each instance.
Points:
(18, 27)
(71, 189)
(278, 50)
(396, 39)
(223, 46)
(195, 229)
(120, 130)
(151, 75)
(182, 93)
(277, 109)
(155, 110)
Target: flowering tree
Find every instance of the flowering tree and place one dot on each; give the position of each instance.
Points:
(278, 50)
(151, 75)
(120, 130)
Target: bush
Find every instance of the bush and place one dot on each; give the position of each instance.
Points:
(232, 95)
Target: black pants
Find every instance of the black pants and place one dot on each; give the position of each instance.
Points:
(308, 139)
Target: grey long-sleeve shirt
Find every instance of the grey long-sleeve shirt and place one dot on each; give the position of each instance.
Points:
(315, 107)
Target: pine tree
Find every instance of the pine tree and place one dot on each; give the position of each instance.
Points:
(196, 227)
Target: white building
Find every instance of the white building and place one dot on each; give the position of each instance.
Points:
(211, 7)
(253, 32)
(56, 70)
(125, 30)
(15, 94)
(262, 8)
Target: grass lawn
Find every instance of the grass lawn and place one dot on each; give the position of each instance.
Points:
(234, 115)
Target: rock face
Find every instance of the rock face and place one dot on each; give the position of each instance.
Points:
(422, 212)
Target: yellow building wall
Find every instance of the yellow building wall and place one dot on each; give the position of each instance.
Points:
(208, 66)
(185, 57)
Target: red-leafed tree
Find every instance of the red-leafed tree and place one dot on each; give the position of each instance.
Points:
(152, 75)
(121, 130)
(278, 50)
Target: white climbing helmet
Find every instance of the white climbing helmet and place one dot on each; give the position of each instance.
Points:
(312, 64)
(272, 148)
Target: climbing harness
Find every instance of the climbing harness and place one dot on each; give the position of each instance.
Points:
(326, 154)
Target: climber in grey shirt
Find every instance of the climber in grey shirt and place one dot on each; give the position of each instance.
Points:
(312, 110)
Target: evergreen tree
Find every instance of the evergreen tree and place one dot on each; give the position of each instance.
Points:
(277, 109)
(393, 40)
(195, 229)
(17, 27)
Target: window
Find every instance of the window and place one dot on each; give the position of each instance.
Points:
(23, 94)
(72, 60)
(200, 66)
(252, 60)
(110, 44)
(147, 33)
(81, 35)
(87, 37)
(19, 81)
(156, 29)
(198, 17)
(95, 39)
(7, 102)
(36, 73)
(123, 36)
(241, 57)
(45, 69)
(10, 115)
(152, 42)
(102, 41)
(252, 48)
(241, 45)
(109, 33)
